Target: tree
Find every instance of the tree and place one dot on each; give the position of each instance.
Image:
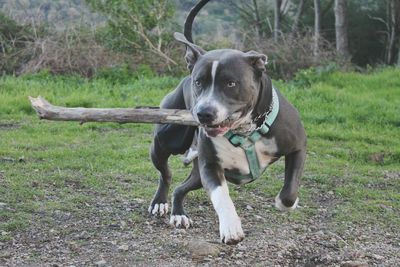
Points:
(277, 19)
(296, 20)
(252, 15)
(392, 10)
(342, 43)
(317, 27)
(141, 24)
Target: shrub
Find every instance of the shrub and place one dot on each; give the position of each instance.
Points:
(14, 45)
(73, 50)
(292, 54)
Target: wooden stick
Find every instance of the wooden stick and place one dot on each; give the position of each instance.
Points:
(47, 111)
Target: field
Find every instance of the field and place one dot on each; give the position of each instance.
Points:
(77, 195)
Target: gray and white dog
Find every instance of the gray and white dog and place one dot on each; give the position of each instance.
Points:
(245, 125)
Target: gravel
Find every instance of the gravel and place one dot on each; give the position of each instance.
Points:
(118, 232)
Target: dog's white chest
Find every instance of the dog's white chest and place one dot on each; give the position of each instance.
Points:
(234, 158)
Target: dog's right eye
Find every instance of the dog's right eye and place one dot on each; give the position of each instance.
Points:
(197, 83)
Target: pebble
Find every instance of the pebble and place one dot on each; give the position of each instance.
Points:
(354, 264)
(2, 205)
(249, 207)
(123, 248)
(202, 249)
(320, 233)
(100, 263)
(378, 257)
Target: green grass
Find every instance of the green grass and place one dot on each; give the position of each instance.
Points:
(352, 122)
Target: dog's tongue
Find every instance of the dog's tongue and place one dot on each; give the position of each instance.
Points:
(213, 132)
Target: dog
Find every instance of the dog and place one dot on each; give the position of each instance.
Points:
(246, 124)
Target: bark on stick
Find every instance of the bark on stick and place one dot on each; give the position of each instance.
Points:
(47, 111)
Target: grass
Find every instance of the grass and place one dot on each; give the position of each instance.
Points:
(352, 121)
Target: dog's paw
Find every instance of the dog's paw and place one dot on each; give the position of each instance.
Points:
(280, 206)
(231, 231)
(180, 221)
(160, 209)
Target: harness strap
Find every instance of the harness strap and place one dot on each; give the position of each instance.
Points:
(247, 143)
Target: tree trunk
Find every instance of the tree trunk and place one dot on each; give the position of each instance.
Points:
(47, 111)
(392, 35)
(342, 43)
(277, 19)
(317, 27)
(296, 22)
(260, 32)
(398, 54)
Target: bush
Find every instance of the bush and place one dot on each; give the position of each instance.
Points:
(72, 51)
(292, 54)
(14, 45)
(124, 73)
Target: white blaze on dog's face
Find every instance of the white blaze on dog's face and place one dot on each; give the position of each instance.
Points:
(209, 103)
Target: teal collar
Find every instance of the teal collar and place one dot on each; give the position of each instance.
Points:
(247, 142)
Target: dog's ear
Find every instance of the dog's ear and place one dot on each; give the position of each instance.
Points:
(257, 60)
(193, 52)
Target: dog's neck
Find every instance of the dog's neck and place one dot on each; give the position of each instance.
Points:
(264, 102)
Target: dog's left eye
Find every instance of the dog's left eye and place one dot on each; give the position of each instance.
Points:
(231, 84)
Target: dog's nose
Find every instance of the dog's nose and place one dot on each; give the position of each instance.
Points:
(206, 115)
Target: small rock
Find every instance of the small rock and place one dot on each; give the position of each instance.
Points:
(139, 200)
(201, 249)
(2, 205)
(5, 255)
(320, 233)
(100, 263)
(249, 207)
(377, 257)
(123, 248)
(354, 264)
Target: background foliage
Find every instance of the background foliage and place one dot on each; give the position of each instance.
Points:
(86, 36)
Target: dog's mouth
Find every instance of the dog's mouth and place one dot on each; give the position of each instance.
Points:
(217, 129)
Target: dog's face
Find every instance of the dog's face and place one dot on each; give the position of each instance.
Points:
(225, 85)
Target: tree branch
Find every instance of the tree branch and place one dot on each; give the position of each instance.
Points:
(47, 111)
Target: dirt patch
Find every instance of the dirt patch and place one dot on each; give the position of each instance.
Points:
(116, 232)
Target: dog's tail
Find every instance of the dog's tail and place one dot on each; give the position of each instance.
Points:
(187, 31)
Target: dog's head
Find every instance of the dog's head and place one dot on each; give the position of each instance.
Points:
(228, 87)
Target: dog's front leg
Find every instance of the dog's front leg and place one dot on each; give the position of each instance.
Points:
(213, 180)
(230, 227)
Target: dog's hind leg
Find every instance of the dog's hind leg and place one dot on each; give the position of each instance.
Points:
(287, 199)
(179, 218)
(159, 157)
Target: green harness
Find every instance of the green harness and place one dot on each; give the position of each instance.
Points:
(247, 143)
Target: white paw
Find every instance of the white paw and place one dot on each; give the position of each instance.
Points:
(180, 221)
(279, 205)
(159, 209)
(231, 231)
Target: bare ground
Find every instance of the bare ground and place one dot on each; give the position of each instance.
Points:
(111, 231)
